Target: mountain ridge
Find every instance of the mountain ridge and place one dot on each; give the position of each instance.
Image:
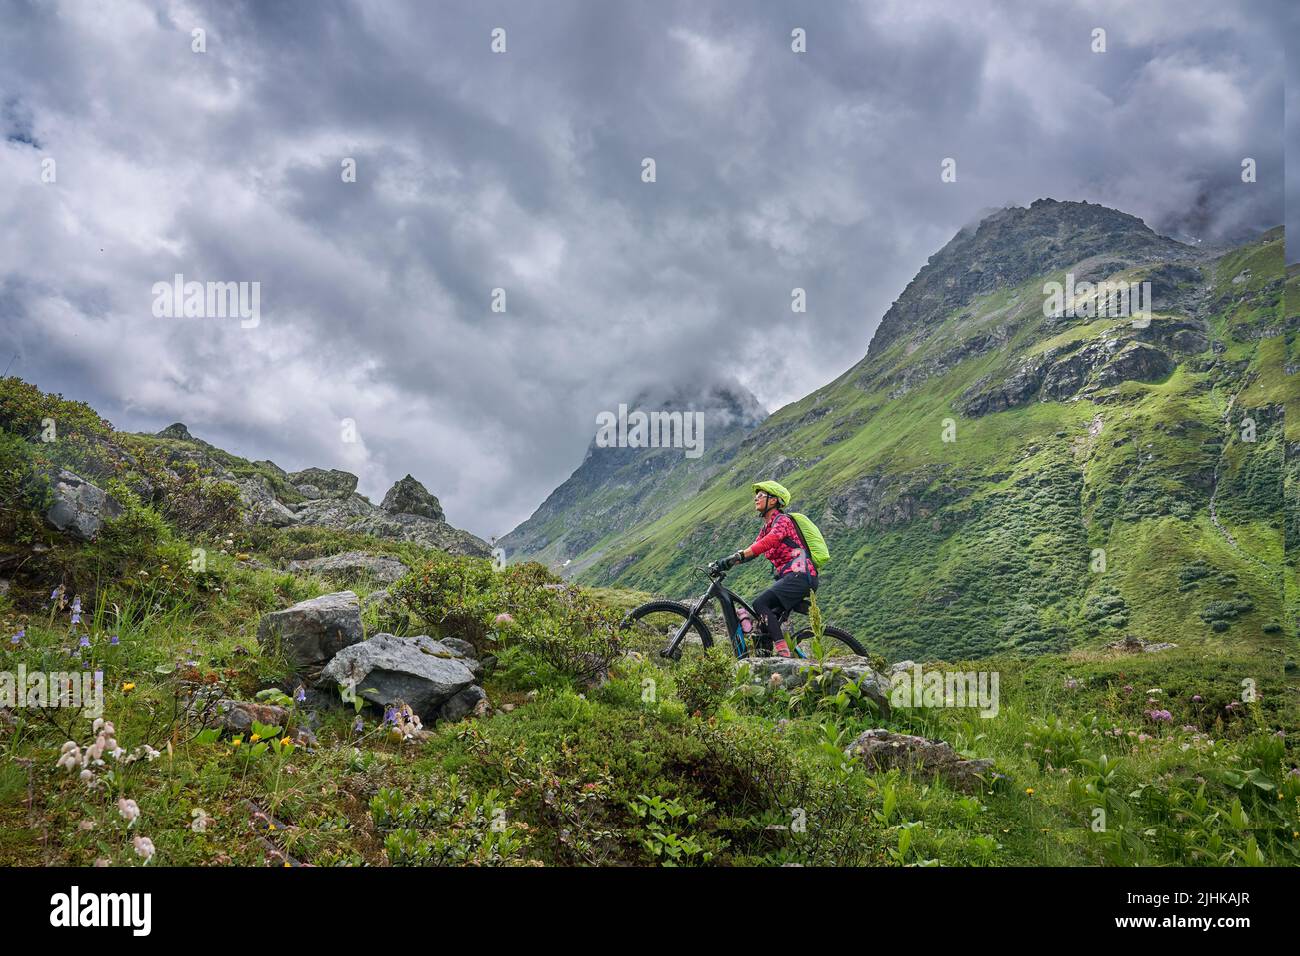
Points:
(1073, 435)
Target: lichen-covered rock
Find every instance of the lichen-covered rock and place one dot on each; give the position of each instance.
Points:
(351, 564)
(410, 497)
(261, 506)
(237, 716)
(420, 671)
(311, 632)
(80, 508)
(332, 482)
(880, 750)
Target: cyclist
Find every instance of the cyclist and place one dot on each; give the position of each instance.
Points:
(779, 541)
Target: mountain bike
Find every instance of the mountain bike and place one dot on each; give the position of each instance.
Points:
(677, 622)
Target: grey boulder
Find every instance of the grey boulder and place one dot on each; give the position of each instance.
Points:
(419, 671)
(331, 483)
(311, 632)
(463, 704)
(350, 564)
(880, 750)
(80, 508)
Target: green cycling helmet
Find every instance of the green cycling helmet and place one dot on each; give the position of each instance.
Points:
(775, 489)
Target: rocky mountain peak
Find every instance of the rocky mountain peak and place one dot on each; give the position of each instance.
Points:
(410, 497)
(1010, 246)
(176, 432)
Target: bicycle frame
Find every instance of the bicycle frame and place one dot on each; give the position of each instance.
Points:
(728, 599)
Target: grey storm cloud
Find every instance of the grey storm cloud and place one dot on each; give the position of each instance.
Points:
(522, 171)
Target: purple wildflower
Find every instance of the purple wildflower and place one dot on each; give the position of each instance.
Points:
(1160, 715)
(18, 638)
(113, 641)
(359, 726)
(1196, 698)
(85, 641)
(301, 695)
(390, 715)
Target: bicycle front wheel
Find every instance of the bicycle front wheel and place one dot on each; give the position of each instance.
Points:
(651, 626)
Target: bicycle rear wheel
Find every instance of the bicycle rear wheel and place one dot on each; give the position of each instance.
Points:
(651, 626)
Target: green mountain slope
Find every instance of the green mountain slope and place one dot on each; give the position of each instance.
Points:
(616, 488)
(1101, 479)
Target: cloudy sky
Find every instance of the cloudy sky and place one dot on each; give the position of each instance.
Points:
(522, 170)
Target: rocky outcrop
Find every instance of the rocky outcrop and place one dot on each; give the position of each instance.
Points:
(410, 497)
(312, 632)
(1011, 246)
(80, 508)
(330, 483)
(321, 497)
(880, 750)
(353, 564)
(177, 432)
(437, 680)
(1136, 362)
(261, 505)
(885, 500)
(1079, 368)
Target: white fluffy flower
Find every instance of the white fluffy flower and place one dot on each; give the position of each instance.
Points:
(143, 848)
(130, 812)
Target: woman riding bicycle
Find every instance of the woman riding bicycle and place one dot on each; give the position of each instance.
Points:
(780, 542)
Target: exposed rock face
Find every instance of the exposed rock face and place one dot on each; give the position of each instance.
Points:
(882, 500)
(261, 504)
(176, 431)
(1014, 245)
(794, 672)
(1136, 362)
(331, 484)
(322, 497)
(428, 675)
(352, 564)
(410, 497)
(880, 750)
(312, 632)
(80, 508)
(1082, 367)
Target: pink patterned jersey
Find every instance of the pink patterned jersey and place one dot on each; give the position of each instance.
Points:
(779, 542)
